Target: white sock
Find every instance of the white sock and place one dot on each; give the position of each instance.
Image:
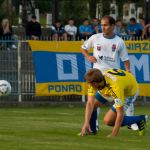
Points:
(130, 110)
(98, 111)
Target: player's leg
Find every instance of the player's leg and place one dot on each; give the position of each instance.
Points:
(110, 117)
(129, 109)
(97, 123)
(129, 120)
(99, 101)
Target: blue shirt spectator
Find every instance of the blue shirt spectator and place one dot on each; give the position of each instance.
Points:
(120, 29)
(85, 30)
(134, 29)
(96, 27)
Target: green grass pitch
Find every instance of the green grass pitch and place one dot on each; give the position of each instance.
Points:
(56, 128)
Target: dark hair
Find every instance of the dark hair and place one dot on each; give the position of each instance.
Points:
(118, 20)
(71, 18)
(94, 75)
(58, 21)
(85, 19)
(133, 19)
(33, 16)
(110, 19)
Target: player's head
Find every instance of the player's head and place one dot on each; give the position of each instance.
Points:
(108, 25)
(95, 78)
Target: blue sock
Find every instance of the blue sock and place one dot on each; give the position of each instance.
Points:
(128, 120)
(93, 121)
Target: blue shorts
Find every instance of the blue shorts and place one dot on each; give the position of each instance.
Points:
(103, 100)
(100, 98)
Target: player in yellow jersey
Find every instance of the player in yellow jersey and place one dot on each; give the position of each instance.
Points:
(116, 86)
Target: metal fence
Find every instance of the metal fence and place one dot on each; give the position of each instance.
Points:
(16, 66)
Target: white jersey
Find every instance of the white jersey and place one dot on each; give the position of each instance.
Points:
(106, 51)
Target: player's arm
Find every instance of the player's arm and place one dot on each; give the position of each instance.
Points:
(118, 90)
(88, 112)
(85, 48)
(127, 65)
(124, 56)
(88, 56)
(118, 122)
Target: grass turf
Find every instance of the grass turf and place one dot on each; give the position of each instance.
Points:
(56, 128)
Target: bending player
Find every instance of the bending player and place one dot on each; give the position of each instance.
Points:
(114, 85)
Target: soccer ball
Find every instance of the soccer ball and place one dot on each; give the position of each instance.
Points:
(5, 88)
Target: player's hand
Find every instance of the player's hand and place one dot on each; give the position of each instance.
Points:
(92, 59)
(110, 136)
(86, 130)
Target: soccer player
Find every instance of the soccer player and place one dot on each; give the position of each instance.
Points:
(114, 85)
(108, 48)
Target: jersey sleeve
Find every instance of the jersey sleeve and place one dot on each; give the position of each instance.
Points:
(118, 94)
(91, 91)
(88, 44)
(123, 51)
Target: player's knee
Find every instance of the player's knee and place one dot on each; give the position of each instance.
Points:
(107, 121)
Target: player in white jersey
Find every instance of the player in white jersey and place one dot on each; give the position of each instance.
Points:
(108, 49)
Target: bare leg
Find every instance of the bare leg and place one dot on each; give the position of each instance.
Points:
(110, 118)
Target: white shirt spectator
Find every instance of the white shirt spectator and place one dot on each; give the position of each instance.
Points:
(71, 30)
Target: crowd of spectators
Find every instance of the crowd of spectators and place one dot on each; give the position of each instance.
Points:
(131, 30)
(69, 31)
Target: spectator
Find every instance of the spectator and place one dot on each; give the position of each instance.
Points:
(85, 30)
(142, 22)
(58, 31)
(146, 31)
(71, 29)
(33, 29)
(134, 29)
(6, 34)
(96, 27)
(119, 29)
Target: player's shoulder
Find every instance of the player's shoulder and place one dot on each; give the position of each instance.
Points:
(108, 75)
(97, 35)
(118, 38)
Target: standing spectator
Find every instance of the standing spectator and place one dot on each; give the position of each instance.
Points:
(119, 29)
(147, 28)
(33, 29)
(6, 33)
(142, 22)
(146, 33)
(58, 31)
(96, 27)
(71, 29)
(134, 29)
(85, 30)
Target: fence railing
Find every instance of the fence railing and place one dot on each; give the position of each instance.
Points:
(16, 66)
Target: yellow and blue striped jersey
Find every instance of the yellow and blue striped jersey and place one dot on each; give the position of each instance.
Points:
(119, 85)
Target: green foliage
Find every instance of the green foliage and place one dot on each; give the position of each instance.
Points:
(77, 9)
(45, 6)
(1, 1)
